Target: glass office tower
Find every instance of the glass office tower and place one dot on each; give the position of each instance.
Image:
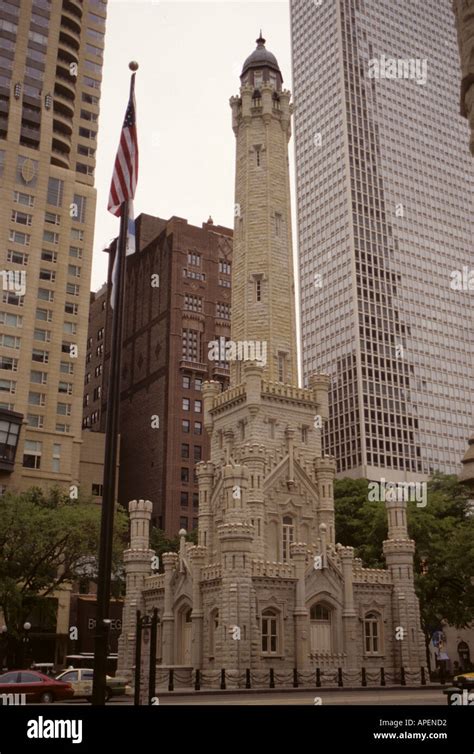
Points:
(385, 197)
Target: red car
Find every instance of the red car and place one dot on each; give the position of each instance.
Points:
(21, 686)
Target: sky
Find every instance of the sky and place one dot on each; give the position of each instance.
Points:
(190, 56)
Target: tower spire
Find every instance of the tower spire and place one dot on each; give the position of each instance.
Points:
(262, 286)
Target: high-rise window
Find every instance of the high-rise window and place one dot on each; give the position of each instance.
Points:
(56, 461)
(79, 208)
(191, 340)
(55, 192)
(32, 454)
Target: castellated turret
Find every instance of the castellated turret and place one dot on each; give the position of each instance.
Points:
(138, 566)
(399, 552)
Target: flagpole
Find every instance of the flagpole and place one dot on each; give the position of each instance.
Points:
(110, 460)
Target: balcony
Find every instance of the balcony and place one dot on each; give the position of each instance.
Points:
(70, 23)
(67, 51)
(59, 159)
(68, 39)
(64, 96)
(63, 105)
(62, 123)
(74, 7)
(61, 149)
(29, 137)
(67, 81)
(63, 140)
(196, 366)
(220, 371)
(28, 115)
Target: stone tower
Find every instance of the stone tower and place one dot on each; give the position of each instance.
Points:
(263, 289)
(267, 590)
(137, 564)
(266, 492)
(399, 551)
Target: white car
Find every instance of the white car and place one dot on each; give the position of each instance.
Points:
(81, 681)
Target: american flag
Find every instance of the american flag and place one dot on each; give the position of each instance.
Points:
(124, 179)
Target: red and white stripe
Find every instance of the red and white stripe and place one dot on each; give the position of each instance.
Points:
(124, 178)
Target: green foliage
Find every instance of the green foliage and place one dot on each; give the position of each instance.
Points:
(444, 555)
(444, 539)
(46, 539)
(160, 543)
(360, 523)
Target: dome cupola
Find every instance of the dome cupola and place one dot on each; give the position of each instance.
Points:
(261, 67)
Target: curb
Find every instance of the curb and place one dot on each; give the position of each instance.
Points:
(306, 689)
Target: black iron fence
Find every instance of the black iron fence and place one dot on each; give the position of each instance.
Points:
(171, 679)
(175, 679)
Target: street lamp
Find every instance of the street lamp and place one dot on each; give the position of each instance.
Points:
(145, 622)
(25, 643)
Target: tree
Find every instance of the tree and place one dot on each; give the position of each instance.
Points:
(160, 543)
(47, 539)
(444, 554)
(443, 532)
(360, 523)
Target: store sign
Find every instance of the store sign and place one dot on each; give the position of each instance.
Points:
(115, 625)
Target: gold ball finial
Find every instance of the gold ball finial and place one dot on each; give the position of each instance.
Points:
(133, 65)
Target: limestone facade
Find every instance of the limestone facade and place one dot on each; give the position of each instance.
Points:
(267, 587)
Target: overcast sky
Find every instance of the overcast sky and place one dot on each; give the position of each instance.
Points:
(190, 56)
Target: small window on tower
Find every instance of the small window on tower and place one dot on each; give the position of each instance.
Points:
(258, 154)
(282, 367)
(277, 223)
(258, 287)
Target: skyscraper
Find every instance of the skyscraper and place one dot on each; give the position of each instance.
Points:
(50, 76)
(385, 192)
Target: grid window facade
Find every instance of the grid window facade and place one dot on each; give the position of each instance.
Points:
(377, 310)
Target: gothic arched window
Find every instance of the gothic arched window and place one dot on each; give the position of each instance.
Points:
(372, 633)
(288, 536)
(270, 638)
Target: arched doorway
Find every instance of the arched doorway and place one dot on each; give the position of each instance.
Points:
(320, 622)
(184, 636)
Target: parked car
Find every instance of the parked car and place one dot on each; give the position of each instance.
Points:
(37, 687)
(464, 680)
(45, 667)
(81, 681)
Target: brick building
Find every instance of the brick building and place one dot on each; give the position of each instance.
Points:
(177, 302)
